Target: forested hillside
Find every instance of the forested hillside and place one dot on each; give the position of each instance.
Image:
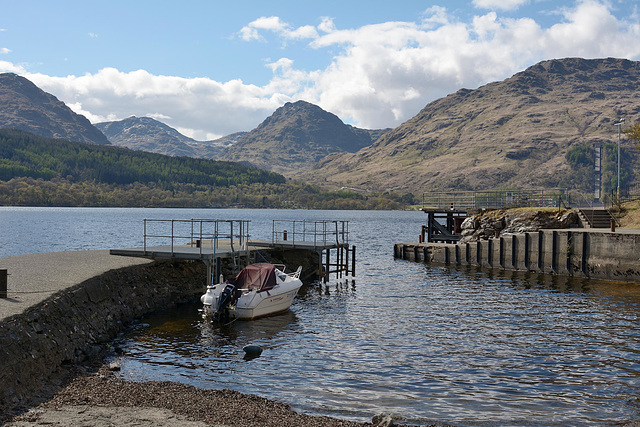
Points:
(37, 171)
(45, 158)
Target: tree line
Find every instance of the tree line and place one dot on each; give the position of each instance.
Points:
(37, 171)
(581, 159)
(25, 154)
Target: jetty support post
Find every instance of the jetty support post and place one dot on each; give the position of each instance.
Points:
(3, 283)
(327, 266)
(353, 261)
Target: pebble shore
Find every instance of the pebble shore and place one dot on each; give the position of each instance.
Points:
(101, 400)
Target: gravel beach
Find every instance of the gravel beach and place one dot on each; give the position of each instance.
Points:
(102, 400)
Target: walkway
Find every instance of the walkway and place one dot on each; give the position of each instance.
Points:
(34, 278)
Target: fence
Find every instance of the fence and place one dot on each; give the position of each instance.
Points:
(468, 200)
(316, 232)
(196, 232)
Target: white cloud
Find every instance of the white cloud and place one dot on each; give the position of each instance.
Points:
(201, 108)
(4, 50)
(326, 25)
(8, 67)
(273, 23)
(386, 73)
(377, 75)
(591, 30)
(499, 4)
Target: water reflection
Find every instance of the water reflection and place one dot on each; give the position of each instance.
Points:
(433, 344)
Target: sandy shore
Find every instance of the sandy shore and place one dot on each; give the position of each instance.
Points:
(103, 400)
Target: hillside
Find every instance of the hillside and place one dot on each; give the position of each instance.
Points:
(295, 137)
(37, 171)
(147, 134)
(24, 154)
(26, 107)
(513, 133)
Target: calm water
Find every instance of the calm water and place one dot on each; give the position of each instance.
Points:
(428, 343)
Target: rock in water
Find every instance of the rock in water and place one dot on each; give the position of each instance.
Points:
(253, 350)
(382, 420)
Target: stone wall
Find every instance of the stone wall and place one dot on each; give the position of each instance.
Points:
(594, 254)
(494, 223)
(73, 325)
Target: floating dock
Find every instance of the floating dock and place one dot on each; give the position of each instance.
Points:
(215, 242)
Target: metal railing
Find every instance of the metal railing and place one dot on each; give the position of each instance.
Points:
(201, 233)
(468, 200)
(318, 232)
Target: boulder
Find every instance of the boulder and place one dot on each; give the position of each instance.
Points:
(383, 420)
(494, 223)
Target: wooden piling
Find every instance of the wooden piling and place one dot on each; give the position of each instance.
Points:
(3, 283)
(353, 261)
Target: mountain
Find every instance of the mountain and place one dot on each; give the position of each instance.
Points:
(227, 140)
(26, 107)
(295, 137)
(513, 133)
(37, 171)
(147, 134)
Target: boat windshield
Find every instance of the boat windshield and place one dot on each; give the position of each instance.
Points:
(260, 276)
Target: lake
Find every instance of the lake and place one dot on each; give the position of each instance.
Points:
(429, 343)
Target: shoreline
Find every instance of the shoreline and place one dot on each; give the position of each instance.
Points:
(62, 309)
(71, 394)
(100, 399)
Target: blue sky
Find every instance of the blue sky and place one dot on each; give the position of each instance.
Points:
(211, 68)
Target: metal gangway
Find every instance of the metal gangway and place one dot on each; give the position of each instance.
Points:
(211, 240)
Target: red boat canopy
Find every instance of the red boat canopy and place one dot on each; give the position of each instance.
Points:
(260, 276)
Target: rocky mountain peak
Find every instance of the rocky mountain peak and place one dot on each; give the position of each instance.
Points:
(26, 107)
(148, 134)
(295, 137)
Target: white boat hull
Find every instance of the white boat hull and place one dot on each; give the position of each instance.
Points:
(266, 305)
(253, 304)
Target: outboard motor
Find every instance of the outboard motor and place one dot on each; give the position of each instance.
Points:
(222, 313)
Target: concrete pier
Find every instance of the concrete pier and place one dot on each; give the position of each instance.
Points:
(600, 254)
(62, 307)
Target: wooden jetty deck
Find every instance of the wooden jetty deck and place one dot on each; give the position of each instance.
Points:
(213, 241)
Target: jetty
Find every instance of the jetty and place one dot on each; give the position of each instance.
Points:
(321, 246)
(595, 247)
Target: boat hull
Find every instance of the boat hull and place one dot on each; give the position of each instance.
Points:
(253, 304)
(267, 305)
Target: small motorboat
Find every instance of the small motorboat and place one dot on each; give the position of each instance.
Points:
(259, 290)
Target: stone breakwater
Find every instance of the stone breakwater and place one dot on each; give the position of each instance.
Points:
(586, 253)
(72, 325)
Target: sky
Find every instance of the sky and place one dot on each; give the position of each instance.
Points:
(212, 68)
